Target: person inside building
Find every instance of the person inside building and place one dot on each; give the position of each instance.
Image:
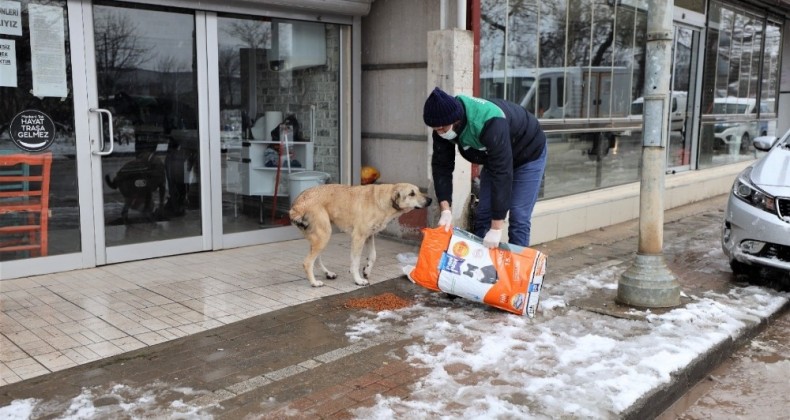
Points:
(507, 141)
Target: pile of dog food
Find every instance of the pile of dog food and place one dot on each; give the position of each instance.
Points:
(382, 302)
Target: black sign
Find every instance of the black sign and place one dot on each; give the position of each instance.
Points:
(32, 130)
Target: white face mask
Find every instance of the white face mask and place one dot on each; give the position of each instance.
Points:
(448, 135)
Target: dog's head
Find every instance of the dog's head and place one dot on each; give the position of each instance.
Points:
(407, 197)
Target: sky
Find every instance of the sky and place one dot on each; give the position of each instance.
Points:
(483, 363)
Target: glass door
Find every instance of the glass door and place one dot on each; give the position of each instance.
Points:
(278, 88)
(683, 91)
(146, 130)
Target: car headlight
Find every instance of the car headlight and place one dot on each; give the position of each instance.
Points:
(746, 191)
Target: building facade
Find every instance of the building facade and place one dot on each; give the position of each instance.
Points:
(175, 126)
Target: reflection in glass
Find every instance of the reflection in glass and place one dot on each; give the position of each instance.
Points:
(738, 102)
(579, 61)
(279, 115)
(579, 65)
(682, 87)
(585, 163)
(145, 65)
(770, 76)
(62, 228)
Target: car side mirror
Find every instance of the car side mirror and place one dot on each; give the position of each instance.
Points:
(764, 143)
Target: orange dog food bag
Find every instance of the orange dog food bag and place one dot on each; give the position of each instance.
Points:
(509, 277)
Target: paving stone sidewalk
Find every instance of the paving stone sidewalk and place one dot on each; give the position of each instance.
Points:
(298, 362)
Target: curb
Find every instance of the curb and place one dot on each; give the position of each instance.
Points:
(656, 402)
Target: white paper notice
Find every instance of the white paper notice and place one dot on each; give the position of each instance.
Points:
(48, 51)
(7, 63)
(10, 18)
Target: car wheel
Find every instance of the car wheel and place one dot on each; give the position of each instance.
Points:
(746, 143)
(739, 268)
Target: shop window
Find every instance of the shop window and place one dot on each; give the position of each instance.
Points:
(35, 79)
(739, 102)
(279, 115)
(581, 65)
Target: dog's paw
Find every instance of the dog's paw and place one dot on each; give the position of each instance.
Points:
(330, 275)
(362, 282)
(317, 283)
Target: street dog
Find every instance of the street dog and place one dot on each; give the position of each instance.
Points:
(361, 211)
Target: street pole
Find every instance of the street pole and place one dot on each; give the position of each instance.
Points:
(648, 283)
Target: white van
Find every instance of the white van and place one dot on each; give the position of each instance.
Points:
(563, 92)
(677, 111)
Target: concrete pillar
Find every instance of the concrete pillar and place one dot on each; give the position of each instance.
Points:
(450, 67)
(648, 282)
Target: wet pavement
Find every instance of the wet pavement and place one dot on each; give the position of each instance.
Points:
(322, 359)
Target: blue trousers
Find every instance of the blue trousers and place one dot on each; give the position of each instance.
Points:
(526, 186)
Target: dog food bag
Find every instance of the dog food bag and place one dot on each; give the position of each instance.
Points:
(456, 262)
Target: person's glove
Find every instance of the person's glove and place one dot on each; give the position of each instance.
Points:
(446, 219)
(492, 238)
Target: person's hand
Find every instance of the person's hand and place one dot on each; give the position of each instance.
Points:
(446, 219)
(492, 239)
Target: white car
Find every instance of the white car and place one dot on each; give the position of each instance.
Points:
(756, 229)
(736, 136)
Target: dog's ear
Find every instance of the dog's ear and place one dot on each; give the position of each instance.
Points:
(396, 199)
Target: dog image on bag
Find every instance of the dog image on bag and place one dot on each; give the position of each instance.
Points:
(137, 181)
(361, 211)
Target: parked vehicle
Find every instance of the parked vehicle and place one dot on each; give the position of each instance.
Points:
(567, 93)
(735, 136)
(677, 111)
(563, 92)
(756, 228)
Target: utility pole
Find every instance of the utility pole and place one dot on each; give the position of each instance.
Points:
(648, 283)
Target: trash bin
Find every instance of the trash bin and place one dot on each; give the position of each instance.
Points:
(300, 181)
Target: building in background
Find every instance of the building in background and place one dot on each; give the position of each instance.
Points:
(579, 66)
(184, 126)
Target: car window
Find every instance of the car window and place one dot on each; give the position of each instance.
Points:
(727, 108)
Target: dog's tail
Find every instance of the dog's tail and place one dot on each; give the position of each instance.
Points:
(298, 218)
(110, 182)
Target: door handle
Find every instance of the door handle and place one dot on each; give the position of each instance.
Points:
(101, 151)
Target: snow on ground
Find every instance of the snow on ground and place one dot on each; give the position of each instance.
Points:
(120, 401)
(564, 363)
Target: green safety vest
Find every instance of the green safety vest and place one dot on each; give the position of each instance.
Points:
(478, 112)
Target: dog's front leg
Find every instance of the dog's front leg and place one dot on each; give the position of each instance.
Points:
(371, 257)
(357, 243)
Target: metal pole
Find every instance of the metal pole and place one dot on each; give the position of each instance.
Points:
(648, 282)
(461, 14)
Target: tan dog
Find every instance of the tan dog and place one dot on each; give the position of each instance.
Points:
(361, 211)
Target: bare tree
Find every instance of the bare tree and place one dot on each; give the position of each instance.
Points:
(229, 68)
(118, 49)
(253, 33)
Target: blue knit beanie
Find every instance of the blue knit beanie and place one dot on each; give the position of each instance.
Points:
(441, 109)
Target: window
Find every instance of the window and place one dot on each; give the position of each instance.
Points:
(738, 102)
(279, 115)
(578, 65)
